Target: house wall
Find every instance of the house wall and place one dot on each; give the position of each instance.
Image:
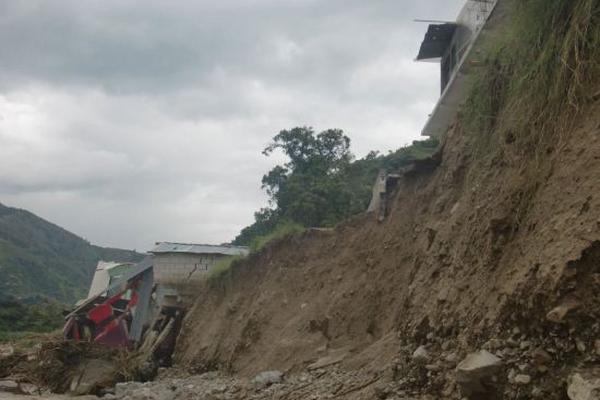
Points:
(181, 268)
(470, 21)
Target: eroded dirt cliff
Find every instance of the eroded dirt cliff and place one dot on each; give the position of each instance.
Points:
(496, 248)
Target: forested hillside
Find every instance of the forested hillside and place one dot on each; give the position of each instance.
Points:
(39, 259)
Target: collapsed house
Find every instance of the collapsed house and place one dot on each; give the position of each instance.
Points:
(141, 305)
(117, 308)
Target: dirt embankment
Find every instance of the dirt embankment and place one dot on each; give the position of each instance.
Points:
(476, 254)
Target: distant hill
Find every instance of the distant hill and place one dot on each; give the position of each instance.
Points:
(40, 259)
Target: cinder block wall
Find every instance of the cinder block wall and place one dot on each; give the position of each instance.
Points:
(178, 268)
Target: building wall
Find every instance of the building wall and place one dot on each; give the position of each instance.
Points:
(180, 268)
(470, 21)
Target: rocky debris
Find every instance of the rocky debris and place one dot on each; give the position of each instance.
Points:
(92, 376)
(268, 378)
(584, 385)
(476, 371)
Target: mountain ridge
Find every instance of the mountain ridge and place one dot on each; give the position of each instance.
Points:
(39, 259)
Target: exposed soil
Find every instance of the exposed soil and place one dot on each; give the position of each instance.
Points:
(480, 249)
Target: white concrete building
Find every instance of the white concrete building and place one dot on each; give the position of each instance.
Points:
(181, 263)
(457, 47)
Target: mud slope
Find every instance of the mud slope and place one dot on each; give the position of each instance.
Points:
(482, 247)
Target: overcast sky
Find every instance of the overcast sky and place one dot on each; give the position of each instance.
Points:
(134, 121)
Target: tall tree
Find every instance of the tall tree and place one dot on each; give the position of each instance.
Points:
(307, 189)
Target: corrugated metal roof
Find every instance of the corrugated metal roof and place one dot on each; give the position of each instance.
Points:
(190, 248)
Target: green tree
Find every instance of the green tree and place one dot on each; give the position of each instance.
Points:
(308, 188)
(321, 184)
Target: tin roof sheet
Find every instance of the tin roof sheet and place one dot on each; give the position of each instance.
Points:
(190, 248)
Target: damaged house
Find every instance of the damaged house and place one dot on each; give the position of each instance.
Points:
(180, 263)
(125, 299)
(457, 47)
(118, 306)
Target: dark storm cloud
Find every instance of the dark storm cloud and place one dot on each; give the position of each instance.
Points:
(149, 116)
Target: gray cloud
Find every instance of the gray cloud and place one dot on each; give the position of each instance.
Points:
(130, 122)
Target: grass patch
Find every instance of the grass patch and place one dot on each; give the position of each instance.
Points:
(538, 76)
(222, 267)
(281, 230)
(540, 73)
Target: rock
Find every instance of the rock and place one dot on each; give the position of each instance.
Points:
(580, 344)
(421, 355)
(541, 357)
(28, 389)
(6, 350)
(9, 386)
(558, 314)
(522, 379)
(268, 378)
(433, 367)
(494, 344)
(382, 391)
(335, 357)
(584, 385)
(452, 359)
(443, 295)
(525, 345)
(536, 392)
(93, 375)
(123, 389)
(474, 373)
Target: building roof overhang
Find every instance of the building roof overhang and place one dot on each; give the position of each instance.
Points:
(436, 41)
(455, 93)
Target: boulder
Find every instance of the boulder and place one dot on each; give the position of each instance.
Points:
(475, 373)
(28, 388)
(522, 379)
(93, 375)
(559, 314)
(584, 385)
(421, 355)
(268, 378)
